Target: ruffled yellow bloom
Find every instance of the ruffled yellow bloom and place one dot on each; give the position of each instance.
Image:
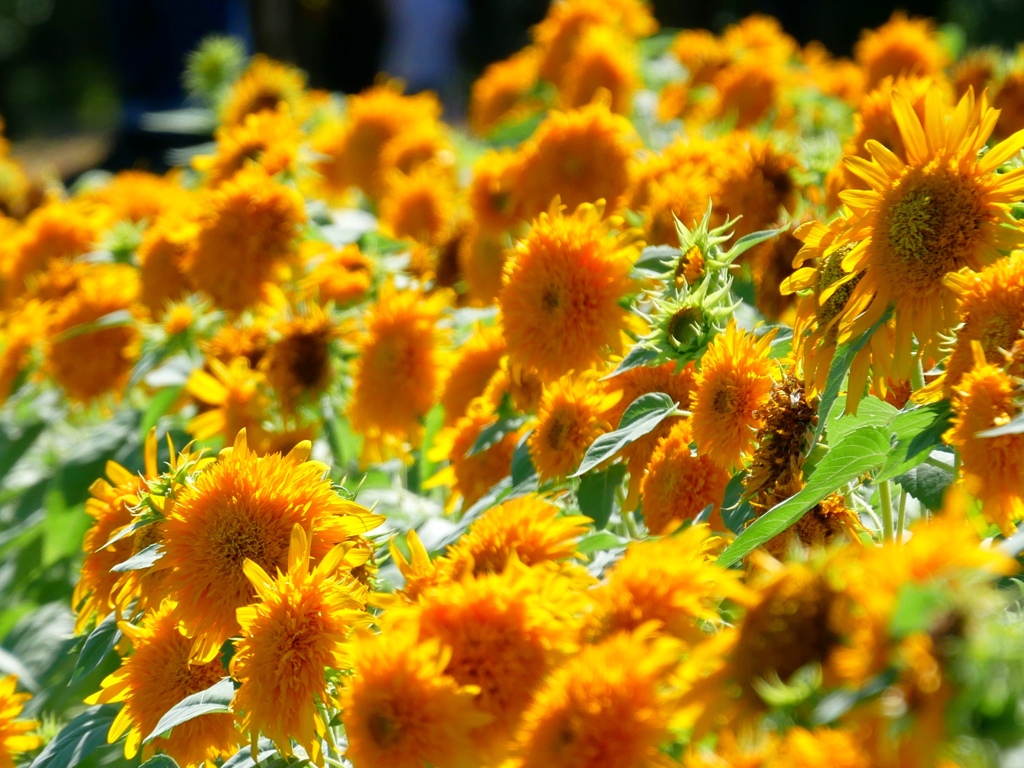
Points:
(136, 196)
(679, 485)
(672, 581)
(937, 210)
(732, 385)
(500, 93)
(158, 674)
(802, 748)
(573, 413)
(342, 275)
(268, 138)
(560, 306)
(419, 206)
(473, 364)
(245, 230)
(610, 706)
(1009, 100)
(397, 376)
(297, 630)
(298, 364)
(16, 734)
(244, 507)
(266, 85)
(399, 707)
(161, 256)
(233, 399)
(603, 58)
(900, 46)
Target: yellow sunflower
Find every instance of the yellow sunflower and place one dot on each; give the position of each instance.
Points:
(731, 386)
(266, 85)
(900, 46)
(157, 675)
(340, 275)
(573, 413)
(1009, 100)
(992, 467)
(419, 206)
(399, 707)
(244, 507)
(232, 398)
(245, 230)
(298, 364)
(603, 58)
(298, 629)
(583, 156)
(269, 138)
(16, 734)
(560, 303)
(397, 376)
(472, 366)
(135, 196)
(678, 485)
(610, 706)
(160, 256)
(501, 93)
(939, 209)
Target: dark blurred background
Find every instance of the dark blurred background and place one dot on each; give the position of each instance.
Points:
(89, 68)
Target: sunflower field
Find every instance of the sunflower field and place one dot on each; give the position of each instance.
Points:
(667, 414)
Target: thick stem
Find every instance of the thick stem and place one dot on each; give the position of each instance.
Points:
(885, 496)
(901, 515)
(627, 518)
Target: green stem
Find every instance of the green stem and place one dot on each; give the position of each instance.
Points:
(901, 515)
(917, 376)
(627, 518)
(886, 503)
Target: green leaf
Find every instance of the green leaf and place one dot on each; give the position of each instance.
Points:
(78, 739)
(837, 703)
(158, 406)
(1013, 427)
(841, 363)
(522, 463)
(918, 432)
(600, 541)
(927, 483)
(97, 647)
(596, 494)
(267, 756)
(12, 665)
(510, 134)
(215, 699)
(862, 451)
(871, 412)
(658, 258)
(160, 761)
(495, 432)
(637, 357)
(917, 608)
(14, 445)
(640, 418)
(141, 560)
(747, 242)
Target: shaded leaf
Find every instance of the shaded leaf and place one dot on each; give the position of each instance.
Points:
(596, 494)
(14, 445)
(927, 483)
(658, 258)
(159, 404)
(918, 432)
(78, 739)
(641, 417)
(97, 647)
(522, 463)
(861, 452)
(215, 699)
(160, 761)
(637, 357)
(1013, 427)
(141, 560)
(872, 412)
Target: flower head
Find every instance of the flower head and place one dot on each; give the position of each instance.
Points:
(16, 734)
(900, 46)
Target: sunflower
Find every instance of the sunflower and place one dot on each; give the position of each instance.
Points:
(900, 46)
(269, 138)
(934, 212)
(702, 53)
(678, 485)
(340, 275)
(731, 387)
(245, 229)
(298, 629)
(1009, 100)
(583, 156)
(160, 255)
(420, 206)
(233, 398)
(16, 735)
(354, 148)
(560, 303)
(19, 329)
(802, 748)
(501, 93)
(472, 366)
(397, 376)
(506, 631)
(746, 92)
(611, 705)
(758, 184)
(157, 675)
(977, 70)
(491, 192)
(248, 338)
(135, 196)
(990, 308)
(400, 709)
(104, 289)
(573, 413)
(528, 529)
(266, 85)
(679, 195)
(603, 58)
(992, 467)
(672, 581)
(242, 508)
(298, 364)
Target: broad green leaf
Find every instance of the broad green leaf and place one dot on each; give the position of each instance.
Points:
(78, 739)
(640, 418)
(596, 494)
(927, 483)
(511, 134)
(841, 363)
(872, 412)
(1013, 427)
(862, 451)
(637, 357)
(14, 445)
(600, 541)
(141, 560)
(267, 756)
(215, 699)
(918, 432)
(12, 665)
(160, 761)
(495, 432)
(158, 406)
(918, 606)
(97, 647)
(658, 258)
(747, 242)
(522, 463)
